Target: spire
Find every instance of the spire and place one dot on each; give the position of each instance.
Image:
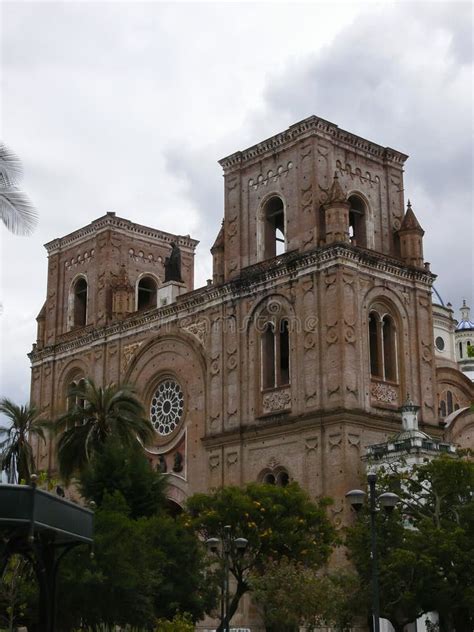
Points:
(336, 194)
(410, 222)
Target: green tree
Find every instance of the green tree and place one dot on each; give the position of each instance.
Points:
(293, 594)
(277, 522)
(127, 471)
(16, 452)
(100, 413)
(426, 547)
(16, 210)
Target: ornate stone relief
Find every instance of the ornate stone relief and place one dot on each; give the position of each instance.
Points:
(384, 393)
(357, 173)
(332, 335)
(311, 444)
(232, 358)
(270, 176)
(198, 330)
(215, 367)
(128, 352)
(276, 401)
(353, 440)
(335, 440)
(214, 461)
(232, 458)
(426, 352)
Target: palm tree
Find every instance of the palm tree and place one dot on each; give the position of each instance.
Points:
(99, 413)
(16, 210)
(16, 452)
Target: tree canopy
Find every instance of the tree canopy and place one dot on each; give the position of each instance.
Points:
(16, 451)
(98, 413)
(426, 547)
(277, 522)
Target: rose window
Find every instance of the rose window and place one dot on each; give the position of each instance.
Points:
(167, 407)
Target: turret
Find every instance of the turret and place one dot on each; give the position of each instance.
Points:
(336, 212)
(411, 239)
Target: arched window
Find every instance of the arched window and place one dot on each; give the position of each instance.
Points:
(442, 408)
(357, 221)
(80, 303)
(275, 355)
(146, 293)
(460, 349)
(273, 228)
(449, 399)
(279, 477)
(73, 399)
(383, 345)
(268, 357)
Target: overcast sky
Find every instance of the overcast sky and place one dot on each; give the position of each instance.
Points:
(127, 107)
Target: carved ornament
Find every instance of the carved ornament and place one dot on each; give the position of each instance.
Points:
(128, 353)
(384, 393)
(276, 401)
(271, 176)
(198, 330)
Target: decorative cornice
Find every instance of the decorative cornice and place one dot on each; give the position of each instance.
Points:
(110, 220)
(252, 280)
(312, 126)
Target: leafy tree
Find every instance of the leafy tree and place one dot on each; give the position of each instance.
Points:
(127, 471)
(100, 413)
(16, 211)
(426, 549)
(16, 452)
(18, 594)
(277, 522)
(293, 594)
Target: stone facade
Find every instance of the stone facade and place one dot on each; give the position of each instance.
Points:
(291, 362)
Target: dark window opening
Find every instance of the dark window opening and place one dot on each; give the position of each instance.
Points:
(274, 228)
(389, 346)
(284, 353)
(449, 399)
(283, 479)
(268, 357)
(80, 303)
(357, 219)
(375, 367)
(460, 349)
(443, 408)
(146, 293)
(269, 479)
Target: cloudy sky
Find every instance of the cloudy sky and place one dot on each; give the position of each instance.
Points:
(127, 106)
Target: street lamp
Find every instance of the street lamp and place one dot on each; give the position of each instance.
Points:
(225, 547)
(387, 500)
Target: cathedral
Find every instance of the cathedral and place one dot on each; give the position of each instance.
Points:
(296, 356)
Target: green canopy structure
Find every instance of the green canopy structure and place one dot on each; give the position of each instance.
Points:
(42, 527)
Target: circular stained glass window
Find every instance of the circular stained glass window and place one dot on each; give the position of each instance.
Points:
(167, 405)
(439, 343)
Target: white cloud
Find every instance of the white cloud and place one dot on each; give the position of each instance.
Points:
(128, 106)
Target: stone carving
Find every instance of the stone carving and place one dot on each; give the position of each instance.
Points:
(272, 463)
(349, 335)
(215, 365)
(353, 439)
(276, 401)
(309, 341)
(384, 393)
(214, 461)
(271, 176)
(128, 353)
(198, 330)
(331, 335)
(173, 264)
(311, 444)
(232, 458)
(335, 440)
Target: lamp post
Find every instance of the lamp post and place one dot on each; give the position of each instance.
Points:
(387, 500)
(226, 546)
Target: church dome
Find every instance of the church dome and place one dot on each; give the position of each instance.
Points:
(436, 297)
(465, 324)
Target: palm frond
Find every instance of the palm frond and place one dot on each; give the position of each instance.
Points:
(17, 212)
(11, 169)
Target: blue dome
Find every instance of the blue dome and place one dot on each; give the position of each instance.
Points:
(465, 325)
(436, 297)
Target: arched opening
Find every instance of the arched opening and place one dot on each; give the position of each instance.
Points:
(173, 509)
(389, 348)
(383, 345)
(284, 353)
(442, 408)
(146, 294)
(449, 400)
(357, 221)
(274, 228)
(268, 357)
(460, 349)
(375, 364)
(80, 303)
(279, 477)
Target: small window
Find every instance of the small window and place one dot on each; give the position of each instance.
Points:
(284, 353)
(80, 303)
(439, 343)
(269, 479)
(460, 349)
(357, 219)
(280, 477)
(383, 346)
(268, 357)
(449, 399)
(146, 293)
(274, 228)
